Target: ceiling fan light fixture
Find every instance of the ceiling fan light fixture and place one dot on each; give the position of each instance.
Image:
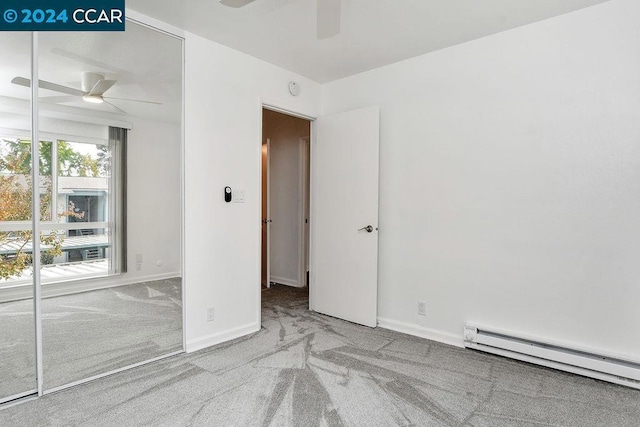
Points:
(89, 80)
(235, 3)
(93, 99)
(328, 17)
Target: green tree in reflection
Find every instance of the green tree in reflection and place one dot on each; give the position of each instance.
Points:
(16, 192)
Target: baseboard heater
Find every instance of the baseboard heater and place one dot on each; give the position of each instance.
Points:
(605, 368)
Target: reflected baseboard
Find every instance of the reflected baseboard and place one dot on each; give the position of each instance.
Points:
(7, 402)
(50, 290)
(115, 371)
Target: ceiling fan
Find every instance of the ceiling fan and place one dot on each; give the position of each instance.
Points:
(328, 15)
(94, 85)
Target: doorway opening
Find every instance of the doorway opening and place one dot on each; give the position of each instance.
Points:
(285, 204)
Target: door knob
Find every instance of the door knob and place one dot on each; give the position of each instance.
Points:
(368, 229)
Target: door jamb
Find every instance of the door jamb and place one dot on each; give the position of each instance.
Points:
(304, 169)
(266, 225)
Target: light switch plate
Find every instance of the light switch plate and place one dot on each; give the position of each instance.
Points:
(238, 196)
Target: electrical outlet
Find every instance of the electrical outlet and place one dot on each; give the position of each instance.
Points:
(422, 308)
(211, 314)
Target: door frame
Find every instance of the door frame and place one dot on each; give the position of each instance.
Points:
(301, 249)
(267, 224)
(290, 111)
(304, 168)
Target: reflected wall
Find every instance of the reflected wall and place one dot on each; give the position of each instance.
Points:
(110, 110)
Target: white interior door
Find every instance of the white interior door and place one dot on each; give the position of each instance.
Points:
(344, 216)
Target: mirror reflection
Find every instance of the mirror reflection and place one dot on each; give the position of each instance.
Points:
(110, 138)
(17, 327)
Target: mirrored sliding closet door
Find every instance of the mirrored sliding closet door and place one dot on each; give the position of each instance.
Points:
(17, 319)
(109, 186)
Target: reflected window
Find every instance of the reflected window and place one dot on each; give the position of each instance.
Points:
(80, 187)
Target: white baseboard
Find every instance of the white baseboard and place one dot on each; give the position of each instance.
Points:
(285, 281)
(220, 337)
(80, 285)
(421, 331)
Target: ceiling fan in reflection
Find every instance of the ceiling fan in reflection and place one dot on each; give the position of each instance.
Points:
(328, 15)
(94, 86)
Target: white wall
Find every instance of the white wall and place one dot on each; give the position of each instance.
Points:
(223, 147)
(286, 194)
(153, 199)
(16, 121)
(510, 181)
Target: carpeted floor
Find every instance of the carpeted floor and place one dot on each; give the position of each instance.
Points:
(306, 369)
(89, 333)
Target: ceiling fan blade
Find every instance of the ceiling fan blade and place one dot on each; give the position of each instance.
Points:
(59, 99)
(120, 110)
(328, 18)
(43, 84)
(21, 81)
(235, 3)
(101, 87)
(133, 100)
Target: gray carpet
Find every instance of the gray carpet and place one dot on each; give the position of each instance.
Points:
(305, 369)
(89, 333)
